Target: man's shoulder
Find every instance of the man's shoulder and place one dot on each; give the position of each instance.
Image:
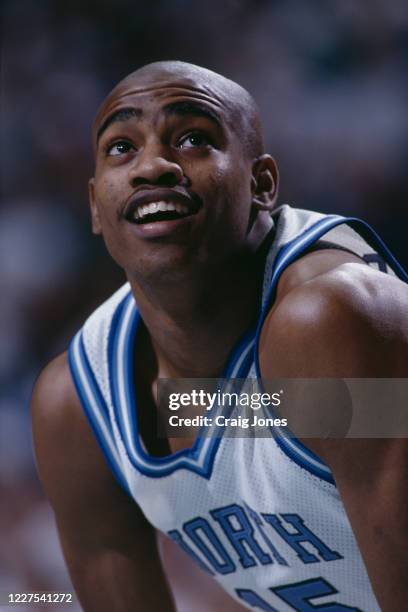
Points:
(54, 393)
(57, 414)
(67, 453)
(56, 419)
(340, 321)
(347, 322)
(63, 438)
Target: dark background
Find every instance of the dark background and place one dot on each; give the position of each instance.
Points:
(331, 81)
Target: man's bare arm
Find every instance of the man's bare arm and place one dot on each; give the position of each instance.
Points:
(351, 322)
(110, 548)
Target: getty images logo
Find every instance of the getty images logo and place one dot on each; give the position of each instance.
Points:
(206, 400)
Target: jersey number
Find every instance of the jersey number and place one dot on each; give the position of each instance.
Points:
(298, 597)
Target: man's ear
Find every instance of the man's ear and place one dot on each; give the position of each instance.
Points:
(96, 223)
(264, 182)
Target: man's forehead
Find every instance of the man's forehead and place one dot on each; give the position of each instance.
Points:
(138, 89)
(170, 80)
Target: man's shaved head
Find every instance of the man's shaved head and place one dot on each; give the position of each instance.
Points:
(177, 133)
(242, 110)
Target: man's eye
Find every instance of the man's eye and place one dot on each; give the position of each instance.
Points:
(194, 139)
(119, 148)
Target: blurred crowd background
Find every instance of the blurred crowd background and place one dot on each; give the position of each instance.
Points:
(331, 82)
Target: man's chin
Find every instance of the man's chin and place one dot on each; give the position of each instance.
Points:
(165, 263)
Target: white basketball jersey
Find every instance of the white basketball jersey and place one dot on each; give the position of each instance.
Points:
(262, 515)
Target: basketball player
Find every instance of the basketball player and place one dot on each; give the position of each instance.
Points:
(218, 286)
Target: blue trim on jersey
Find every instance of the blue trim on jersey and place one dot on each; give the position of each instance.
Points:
(121, 344)
(374, 240)
(94, 404)
(291, 445)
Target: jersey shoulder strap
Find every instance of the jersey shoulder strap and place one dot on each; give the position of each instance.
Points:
(297, 230)
(87, 357)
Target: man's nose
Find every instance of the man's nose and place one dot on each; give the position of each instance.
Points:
(155, 166)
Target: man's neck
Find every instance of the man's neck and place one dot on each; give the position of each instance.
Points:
(193, 325)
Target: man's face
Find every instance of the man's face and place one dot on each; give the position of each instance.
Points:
(172, 185)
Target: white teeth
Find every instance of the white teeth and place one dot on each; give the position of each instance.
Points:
(154, 207)
(181, 209)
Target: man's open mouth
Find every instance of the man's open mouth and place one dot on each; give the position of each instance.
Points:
(160, 211)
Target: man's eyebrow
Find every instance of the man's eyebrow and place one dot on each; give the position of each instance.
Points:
(192, 108)
(123, 114)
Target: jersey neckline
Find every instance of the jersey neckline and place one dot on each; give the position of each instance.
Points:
(199, 458)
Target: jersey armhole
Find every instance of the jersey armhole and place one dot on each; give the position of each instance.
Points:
(94, 406)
